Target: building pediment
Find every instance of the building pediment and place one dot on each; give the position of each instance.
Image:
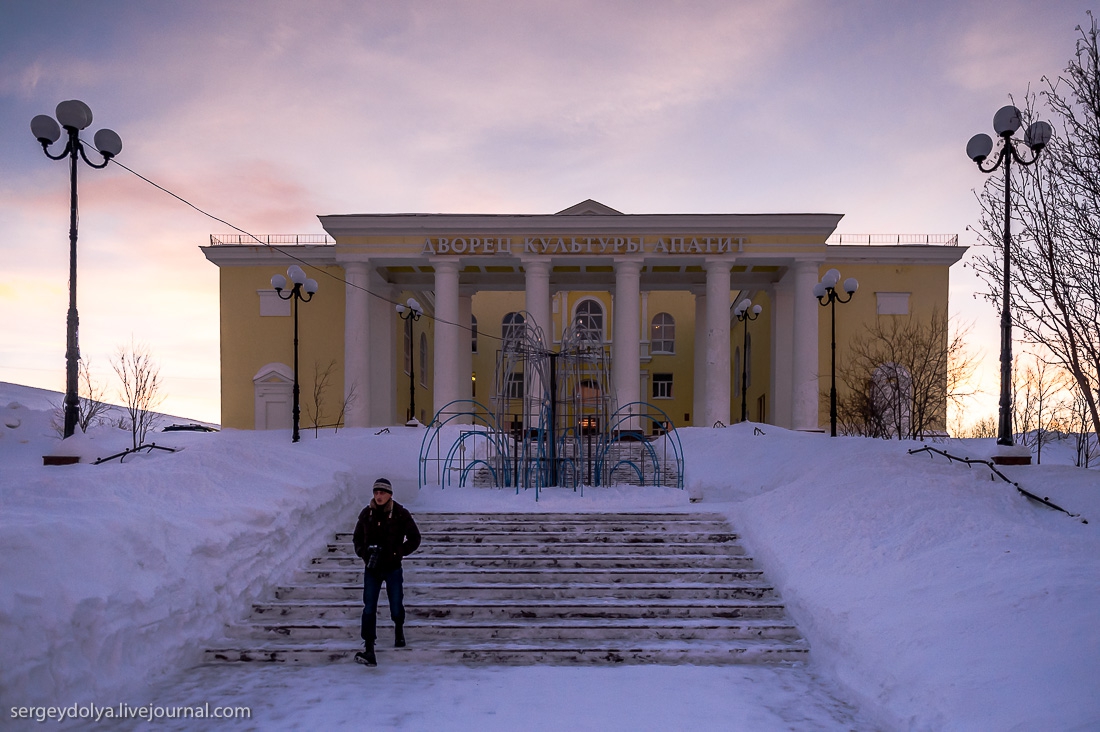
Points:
(589, 208)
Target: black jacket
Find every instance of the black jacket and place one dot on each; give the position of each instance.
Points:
(392, 529)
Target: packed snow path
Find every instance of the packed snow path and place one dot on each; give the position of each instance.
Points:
(519, 588)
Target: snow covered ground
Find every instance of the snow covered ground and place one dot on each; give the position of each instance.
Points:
(932, 596)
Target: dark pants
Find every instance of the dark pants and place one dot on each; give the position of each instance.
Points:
(372, 587)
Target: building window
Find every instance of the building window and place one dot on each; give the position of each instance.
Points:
(511, 329)
(892, 303)
(589, 318)
(662, 335)
(662, 386)
(514, 389)
(473, 334)
(423, 359)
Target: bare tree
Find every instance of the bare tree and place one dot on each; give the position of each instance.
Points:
(315, 407)
(349, 399)
(1036, 409)
(1086, 444)
(1055, 247)
(985, 427)
(140, 377)
(92, 409)
(900, 374)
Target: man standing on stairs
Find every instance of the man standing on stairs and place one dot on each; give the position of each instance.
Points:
(384, 533)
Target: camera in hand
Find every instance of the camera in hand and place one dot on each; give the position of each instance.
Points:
(372, 556)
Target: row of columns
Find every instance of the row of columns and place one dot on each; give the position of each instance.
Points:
(370, 376)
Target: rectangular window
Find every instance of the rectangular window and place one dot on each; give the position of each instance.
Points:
(515, 387)
(662, 386)
(892, 303)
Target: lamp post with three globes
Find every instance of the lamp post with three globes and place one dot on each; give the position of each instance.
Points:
(826, 294)
(74, 116)
(301, 284)
(1005, 123)
(745, 311)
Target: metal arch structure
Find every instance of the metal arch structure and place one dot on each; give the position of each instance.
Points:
(552, 421)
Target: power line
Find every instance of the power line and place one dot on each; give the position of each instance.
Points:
(292, 256)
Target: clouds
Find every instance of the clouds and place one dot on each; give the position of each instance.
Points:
(268, 113)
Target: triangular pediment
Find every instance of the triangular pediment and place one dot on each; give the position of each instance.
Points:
(589, 208)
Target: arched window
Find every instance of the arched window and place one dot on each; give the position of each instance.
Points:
(589, 316)
(423, 359)
(662, 335)
(473, 334)
(511, 328)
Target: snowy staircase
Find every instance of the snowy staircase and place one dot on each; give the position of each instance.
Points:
(522, 588)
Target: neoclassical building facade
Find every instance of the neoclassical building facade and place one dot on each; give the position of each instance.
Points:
(660, 289)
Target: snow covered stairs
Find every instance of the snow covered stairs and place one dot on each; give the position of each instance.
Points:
(522, 588)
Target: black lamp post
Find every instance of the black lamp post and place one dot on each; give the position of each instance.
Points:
(826, 294)
(409, 312)
(74, 116)
(301, 283)
(744, 314)
(1005, 123)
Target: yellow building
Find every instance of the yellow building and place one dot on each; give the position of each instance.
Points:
(659, 290)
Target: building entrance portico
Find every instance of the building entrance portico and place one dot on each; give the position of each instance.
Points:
(444, 259)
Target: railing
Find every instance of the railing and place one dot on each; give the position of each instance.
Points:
(233, 240)
(993, 468)
(950, 240)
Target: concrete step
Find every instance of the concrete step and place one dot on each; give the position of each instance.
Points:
(565, 588)
(526, 609)
(516, 591)
(569, 527)
(569, 549)
(549, 577)
(501, 538)
(530, 653)
(567, 517)
(420, 561)
(476, 632)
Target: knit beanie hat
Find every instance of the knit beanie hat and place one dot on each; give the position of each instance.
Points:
(383, 485)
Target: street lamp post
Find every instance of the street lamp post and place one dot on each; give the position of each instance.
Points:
(301, 283)
(826, 294)
(1005, 123)
(744, 314)
(409, 312)
(73, 116)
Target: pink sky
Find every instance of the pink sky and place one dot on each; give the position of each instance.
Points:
(267, 114)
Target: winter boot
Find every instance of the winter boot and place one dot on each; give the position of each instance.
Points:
(398, 636)
(366, 656)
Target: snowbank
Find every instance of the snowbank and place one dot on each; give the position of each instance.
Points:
(934, 596)
(940, 598)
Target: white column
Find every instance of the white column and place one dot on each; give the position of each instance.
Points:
(537, 296)
(537, 304)
(804, 358)
(382, 386)
(448, 332)
(782, 331)
(717, 407)
(626, 346)
(699, 351)
(356, 345)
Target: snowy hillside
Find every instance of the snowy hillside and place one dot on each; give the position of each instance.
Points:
(932, 596)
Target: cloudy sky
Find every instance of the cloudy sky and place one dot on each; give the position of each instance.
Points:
(267, 114)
